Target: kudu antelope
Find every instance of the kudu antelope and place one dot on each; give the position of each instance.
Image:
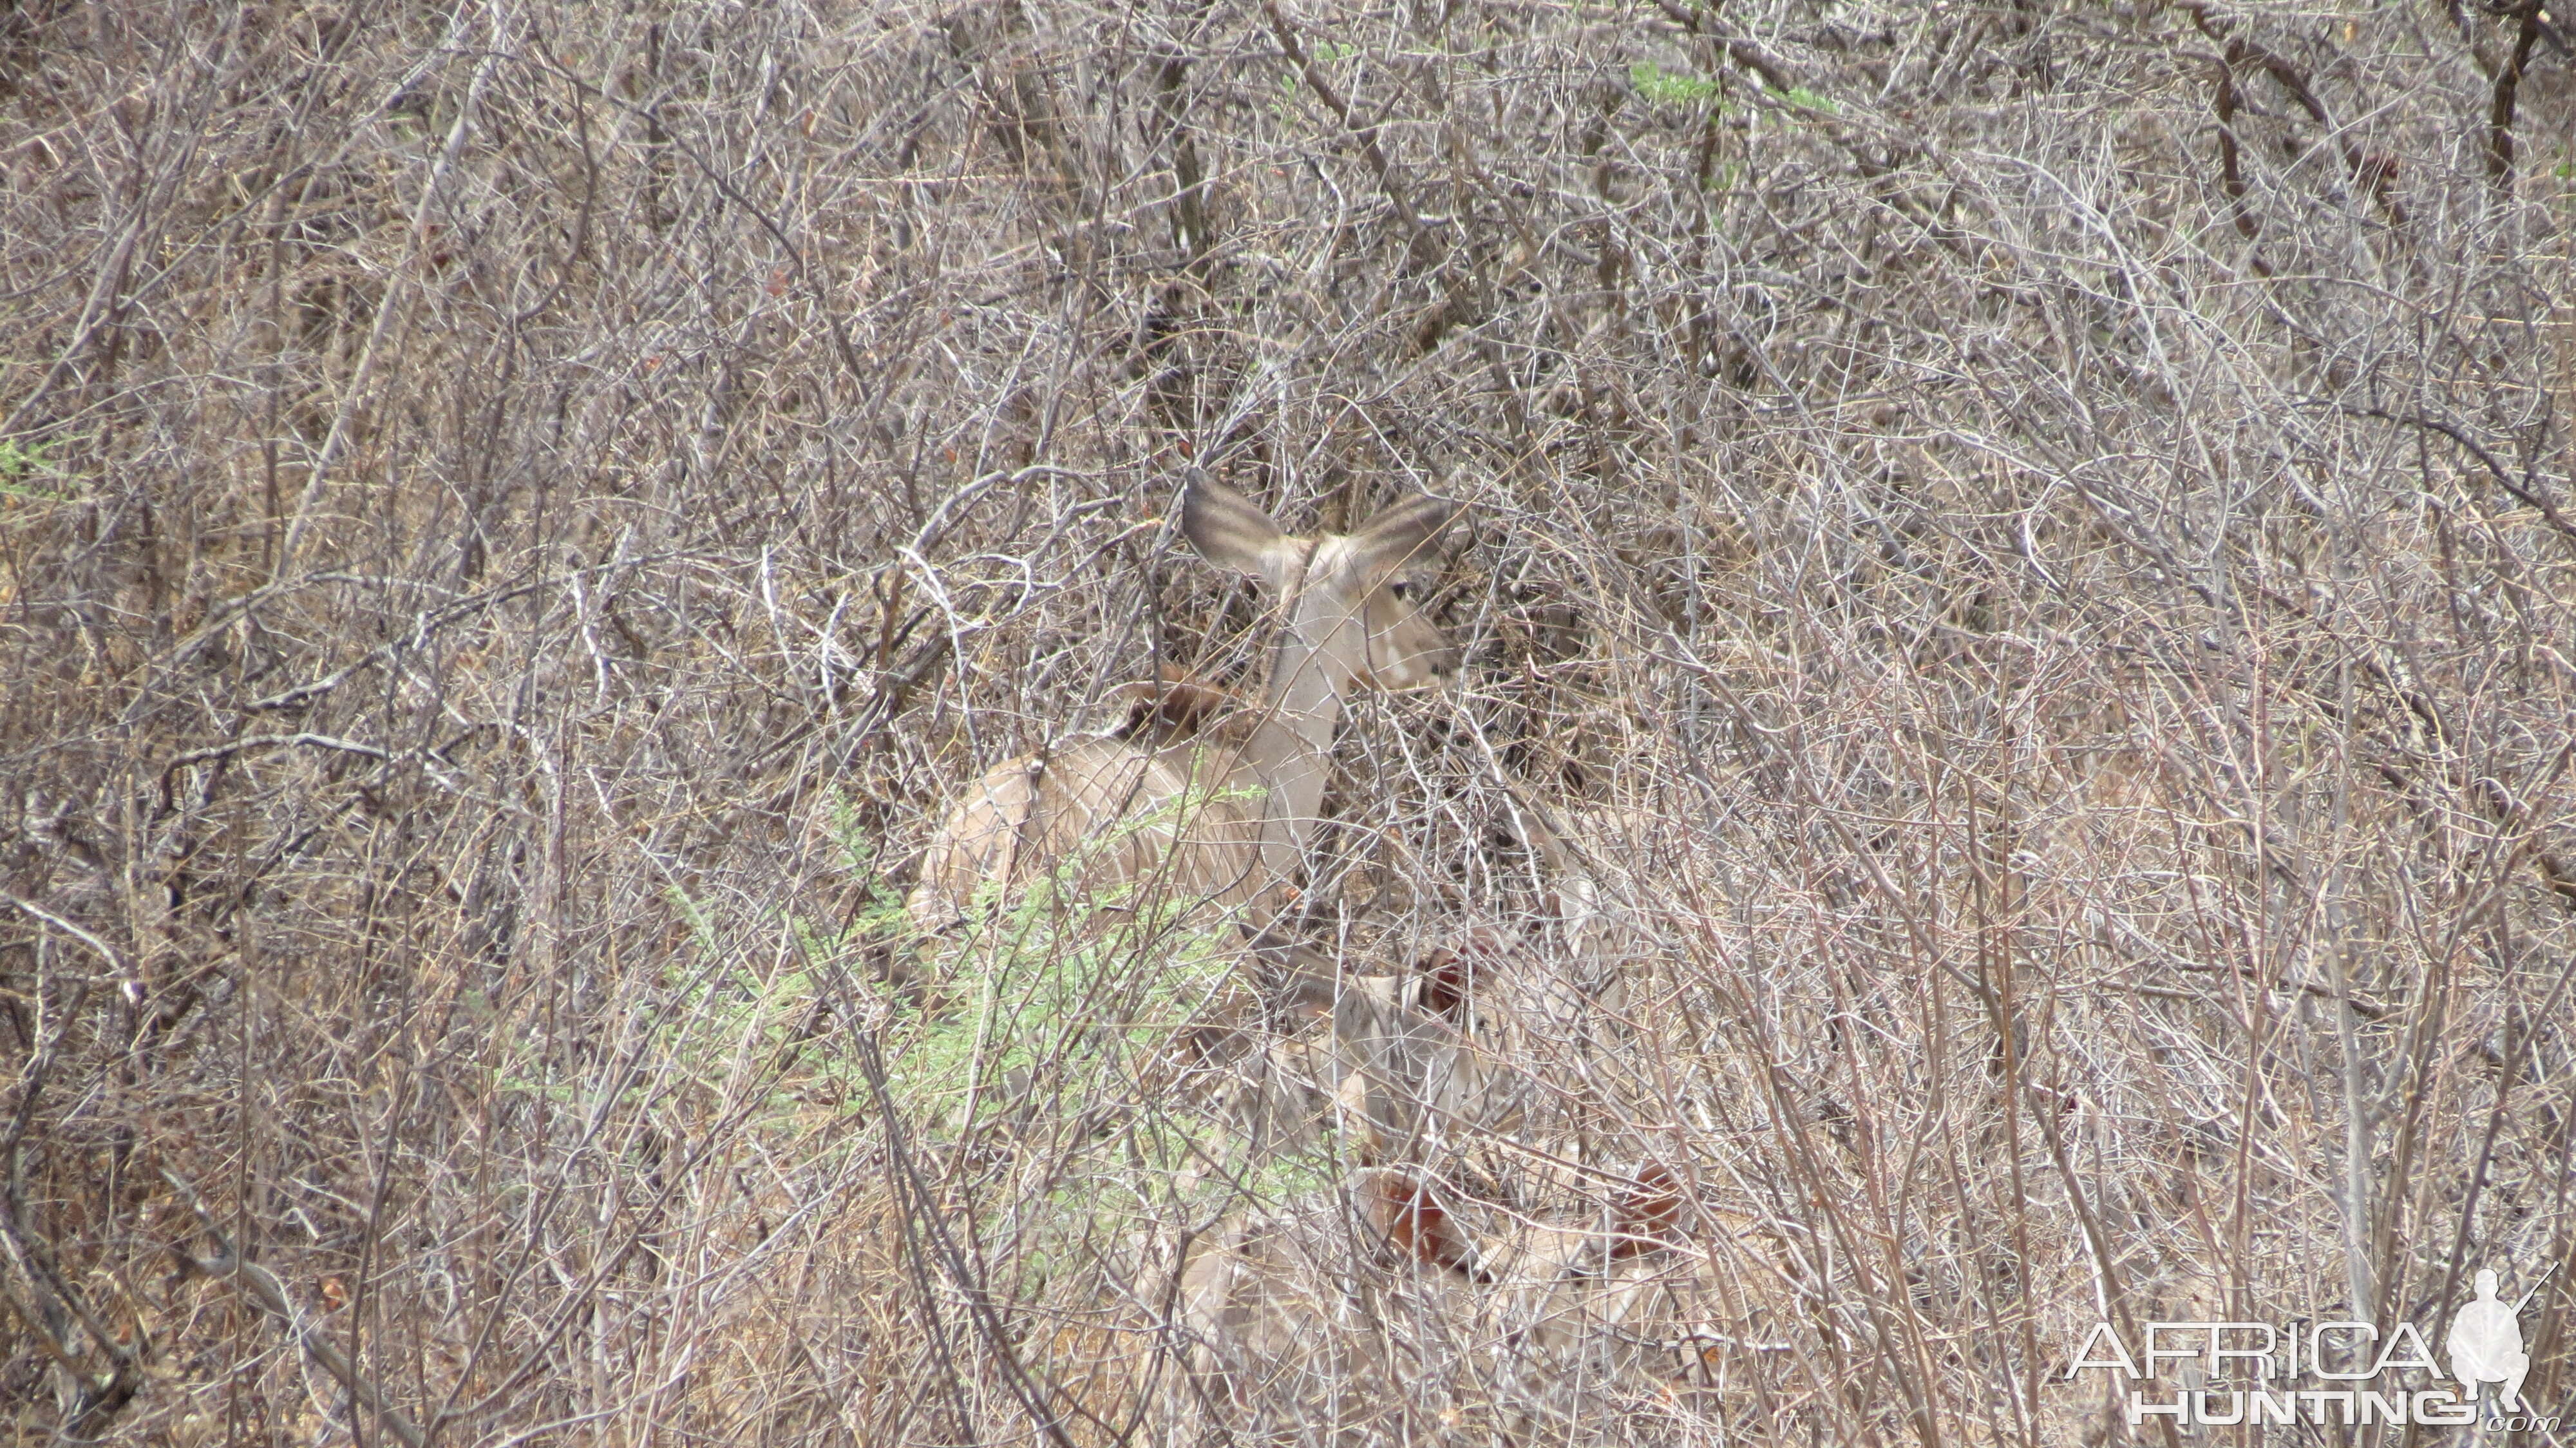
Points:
(1311, 1324)
(1204, 803)
(1596, 860)
(1449, 1055)
(1450, 1049)
(1393, 1061)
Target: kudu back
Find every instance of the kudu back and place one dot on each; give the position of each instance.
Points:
(1203, 802)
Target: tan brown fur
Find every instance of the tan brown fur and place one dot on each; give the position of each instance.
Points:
(1169, 821)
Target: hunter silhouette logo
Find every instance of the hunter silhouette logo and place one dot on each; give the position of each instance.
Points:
(2485, 1346)
(2340, 1373)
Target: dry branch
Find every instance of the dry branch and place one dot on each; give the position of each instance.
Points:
(2071, 737)
(262, 1286)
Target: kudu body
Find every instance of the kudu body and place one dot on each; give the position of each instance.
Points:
(1203, 803)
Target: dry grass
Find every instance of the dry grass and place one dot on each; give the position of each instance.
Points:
(2051, 525)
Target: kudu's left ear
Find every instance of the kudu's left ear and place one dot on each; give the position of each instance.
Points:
(1307, 980)
(1448, 979)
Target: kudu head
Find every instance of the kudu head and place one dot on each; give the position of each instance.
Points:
(1414, 1221)
(1553, 1308)
(1355, 600)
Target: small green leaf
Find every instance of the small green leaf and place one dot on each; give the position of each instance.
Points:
(1656, 84)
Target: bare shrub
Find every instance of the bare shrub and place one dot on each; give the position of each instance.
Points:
(2028, 549)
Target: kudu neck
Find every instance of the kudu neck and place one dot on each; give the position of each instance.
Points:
(1301, 706)
(1301, 693)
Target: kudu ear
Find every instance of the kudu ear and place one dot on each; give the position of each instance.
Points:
(1410, 1220)
(1648, 1214)
(1170, 703)
(1451, 974)
(1448, 980)
(1227, 528)
(1399, 536)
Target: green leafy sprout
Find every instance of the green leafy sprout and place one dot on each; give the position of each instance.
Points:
(1662, 86)
(24, 464)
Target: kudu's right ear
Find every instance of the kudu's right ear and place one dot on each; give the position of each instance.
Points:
(1450, 976)
(1410, 1220)
(1227, 528)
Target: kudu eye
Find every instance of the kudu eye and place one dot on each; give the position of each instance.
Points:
(1400, 590)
